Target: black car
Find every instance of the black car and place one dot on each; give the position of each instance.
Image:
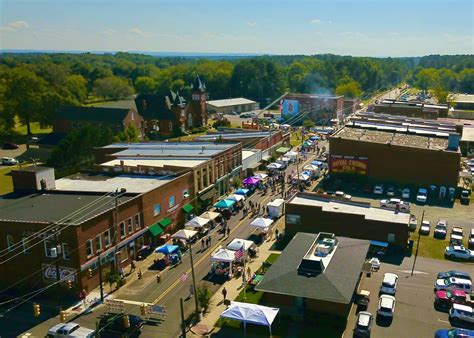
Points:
(113, 325)
(10, 146)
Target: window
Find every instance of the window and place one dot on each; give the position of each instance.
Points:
(171, 201)
(130, 225)
(122, 230)
(10, 242)
(107, 238)
(123, 254)
(48, 246)
(26, 244)
(66, 251)
(137, 221)
(156, 209)
(89, 248)
(98, 243)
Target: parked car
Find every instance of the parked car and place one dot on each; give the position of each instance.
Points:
(413, 223)
(391, 191)
(395, 203)
(454, 333)
(461, 313)
(66, 330)
(363, 324)
(10, 146)
(465, 196)
(460, 252)
(441, 229)
(406, 193)
(389, 283)
(454, 273)
(375, 264)
(425, 227)
(422, 195)
(453, 283)
(470, 243)
(386, 306)
(378, 189)
(111, 325)
(9, 161)
(446, 298)
(456, 236)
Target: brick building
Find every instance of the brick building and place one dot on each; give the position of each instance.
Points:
(91, 220)
(411, 109)
(313, 213)
(324, 107)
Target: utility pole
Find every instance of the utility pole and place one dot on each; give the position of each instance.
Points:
(418, 243)
(58, 277)
(194, 280)
(183, 322)
(117, 191)
(100, 277)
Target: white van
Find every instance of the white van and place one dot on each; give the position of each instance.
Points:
(70, 330)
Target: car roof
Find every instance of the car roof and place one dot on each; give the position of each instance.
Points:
(364, 318)
(387, 301)
(465, 308)
(460, 280)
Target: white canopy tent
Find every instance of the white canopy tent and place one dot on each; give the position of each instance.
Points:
(184, 234)
(274, 166)
(197, 222)
(302, 177)
(291, 154)
(261, 176)
(310, 167)
(237, 243)
(223, 255)
(251, 313)
(262, 223)
(210, 215)
(236, 197)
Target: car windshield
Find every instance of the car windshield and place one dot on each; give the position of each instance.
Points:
(387, 284)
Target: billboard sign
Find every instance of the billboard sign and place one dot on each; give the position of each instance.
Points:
(290, 107)
(348, 164)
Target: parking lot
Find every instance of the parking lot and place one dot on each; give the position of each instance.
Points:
(415, 315)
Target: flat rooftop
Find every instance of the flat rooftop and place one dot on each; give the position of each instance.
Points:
(336, 283)
(56, 207)
(171, 149)
(230, 102)
(103, 183)
(467, 134)
(465, 98)
(393, 136)
(315, 96)
(233, 136)
(247, 154)
(354, 208)
(156, 162)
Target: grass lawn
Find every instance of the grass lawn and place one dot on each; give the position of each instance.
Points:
(272, 258)
(431, 247)
(35, 128)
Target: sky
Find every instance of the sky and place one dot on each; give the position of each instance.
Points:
(359, 27)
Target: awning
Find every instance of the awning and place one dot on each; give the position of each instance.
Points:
(208, 195)
(377, 243)
(188, 208)
(155, 229)
(282, 150)
(165, 222)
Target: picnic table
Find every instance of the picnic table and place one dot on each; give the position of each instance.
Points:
(255, 279)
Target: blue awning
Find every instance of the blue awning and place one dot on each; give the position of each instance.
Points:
(377, 243)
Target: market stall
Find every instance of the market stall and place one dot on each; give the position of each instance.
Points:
(249, 247)
(251, 313)
(261, 176)
(172, 255)
(185, 234)
(242, 191)
(274, 166)
(292, 154)
(252, 181)
(224, 204)
(262, 224)
(197, 222)
(213, 216)
(236, 197)
(222, 262)
(275, 208)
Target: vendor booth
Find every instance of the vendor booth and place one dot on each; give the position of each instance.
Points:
(251, 313)
(222, 262)
(262, 223)
(242, 191)
(274, 166)
(213, 216)
(224, 204)
(252, 180)
(236, 197)
(185, 234)
(249, 246)
(275, 208)
(172, 255)
(261, 176)
(197, 222)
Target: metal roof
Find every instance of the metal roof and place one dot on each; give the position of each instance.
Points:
(230, 102)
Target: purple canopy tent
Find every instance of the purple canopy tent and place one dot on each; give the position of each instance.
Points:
(251, 180)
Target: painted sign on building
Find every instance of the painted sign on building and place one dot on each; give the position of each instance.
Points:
(49, 273)
(290, 107)
(348, 164)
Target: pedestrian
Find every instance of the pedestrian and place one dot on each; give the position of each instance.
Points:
(228, 231)
(209, 240)
(83, 296)
(224, 293)
(133, 265)
(158, 278)
(276, 234)
(202, 244)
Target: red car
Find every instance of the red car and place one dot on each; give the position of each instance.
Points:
(445, 299)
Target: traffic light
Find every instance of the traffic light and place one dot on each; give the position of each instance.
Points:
(69, 284)
(62, 316)
(89, 273)
(143, 309)
(126, 322)
(36, 309)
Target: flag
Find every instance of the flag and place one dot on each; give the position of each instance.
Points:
(239, 253)
(183, 277)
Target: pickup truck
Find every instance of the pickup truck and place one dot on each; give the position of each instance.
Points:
(70, 330)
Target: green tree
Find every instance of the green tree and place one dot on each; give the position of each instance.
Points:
(236, 182)
(129, 135)
(24, 95)
(350, 89)
(466, 81)
(204, 296)
(77, 86)
(112, 87)
(145, 84)
(426, 78)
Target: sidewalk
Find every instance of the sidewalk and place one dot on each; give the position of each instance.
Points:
(234, 287)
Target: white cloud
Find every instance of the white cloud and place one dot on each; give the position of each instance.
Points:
(252, 24)
(15, 26)
(139, 32)
(315, 22)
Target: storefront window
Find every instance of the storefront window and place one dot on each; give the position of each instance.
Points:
(137, 222)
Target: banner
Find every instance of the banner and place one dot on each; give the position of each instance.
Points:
(49, 273)
(348, 164)
(290, 107)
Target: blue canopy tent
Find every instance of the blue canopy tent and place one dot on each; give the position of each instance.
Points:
(317, 163)
(167, 249)
(225, 204)
(315, 138)
(242, 191)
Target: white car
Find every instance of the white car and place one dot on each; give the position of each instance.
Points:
(441, 229)
(70, 330)
(363, 324)
(395, 203)
(456, 235)
(9, 161)
(375, 263)
(391, 191)
(458, 251)
(378, 189)
(452, 283)
(461, 313)
(422, 195)
(425, 227)
(386, 306)
(406, 193)
(389, 283)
